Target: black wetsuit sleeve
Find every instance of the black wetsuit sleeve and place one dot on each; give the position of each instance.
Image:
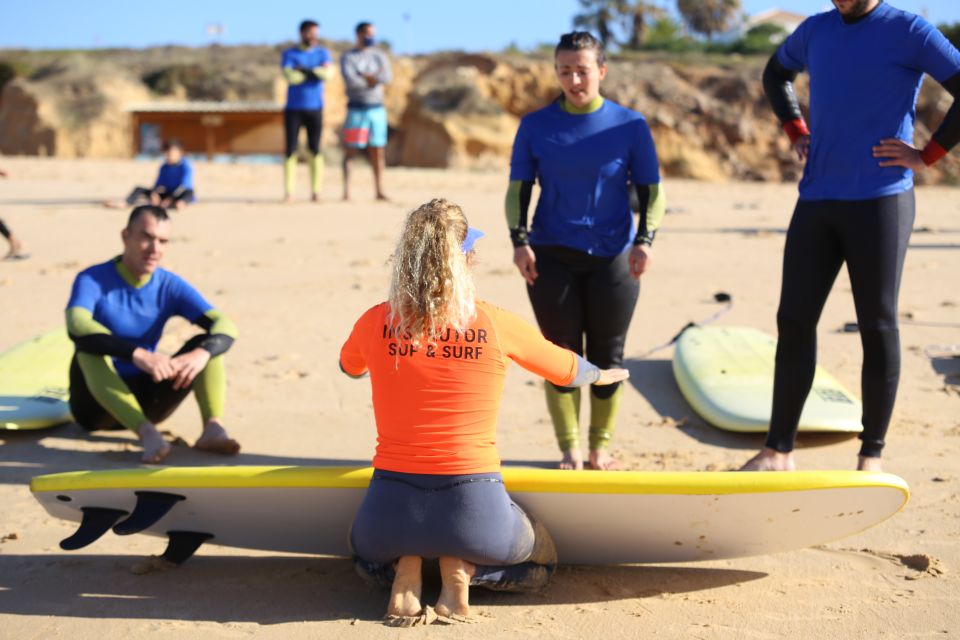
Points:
(215, 343)
(778, 85)
(644, 236)
(948, 134)
(104, 344)
(517, 207)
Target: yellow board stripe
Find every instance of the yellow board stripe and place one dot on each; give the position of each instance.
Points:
(516, 479)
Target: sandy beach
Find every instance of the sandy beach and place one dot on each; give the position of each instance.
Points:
(296, 277)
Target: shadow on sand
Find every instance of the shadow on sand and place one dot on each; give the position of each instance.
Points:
(278, 589)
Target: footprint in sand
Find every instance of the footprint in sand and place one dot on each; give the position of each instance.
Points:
(921, 565)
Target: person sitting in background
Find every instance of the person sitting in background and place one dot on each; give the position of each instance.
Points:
(115, 317)
(16, 247)
(174, 186)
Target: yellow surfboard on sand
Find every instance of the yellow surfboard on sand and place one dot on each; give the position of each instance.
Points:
(654, 516)
(34, 382)
(726, 374)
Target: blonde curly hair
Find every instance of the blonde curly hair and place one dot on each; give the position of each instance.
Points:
(431, 288)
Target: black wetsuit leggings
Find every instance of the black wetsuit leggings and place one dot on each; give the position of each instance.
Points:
(139, 193)
(157, 399)
(576, 295)
(4, 231)
(293, 119)
(871, 236)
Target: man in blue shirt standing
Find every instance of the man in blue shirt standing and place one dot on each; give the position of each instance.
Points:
(866, 61)
(305, 67)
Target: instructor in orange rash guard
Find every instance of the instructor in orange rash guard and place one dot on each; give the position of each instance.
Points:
(437, 358)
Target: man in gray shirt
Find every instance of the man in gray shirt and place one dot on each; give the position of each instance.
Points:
(366, 70)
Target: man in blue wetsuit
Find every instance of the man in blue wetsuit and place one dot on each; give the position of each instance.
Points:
(305, 67)
(866, 61)
(174, 186)
(115, 317)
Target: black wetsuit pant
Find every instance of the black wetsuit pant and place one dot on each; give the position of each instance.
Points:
(871, 236)
(4, 231)
(144, 193)
(157, 399)
(312, 120)
(576, 295)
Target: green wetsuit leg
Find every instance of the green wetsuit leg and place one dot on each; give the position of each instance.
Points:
(110, 391)
(603, 418)
(210, 389)
(564, 408)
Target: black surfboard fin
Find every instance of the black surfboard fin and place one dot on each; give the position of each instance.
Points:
(183, 544)
(151, 507)
(96, 522)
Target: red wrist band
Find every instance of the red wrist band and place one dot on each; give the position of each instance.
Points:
(932, 153)
(795, 129)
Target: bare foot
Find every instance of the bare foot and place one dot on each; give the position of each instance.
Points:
(454, 602)
(867, 463)
(383, 197)
(155, 448)
(113, 204)
(346, 197)
(600, 460)
(287, 199)
(216, 439)
(315, 197)
(770, 460)
(405, 609)
(572, 460)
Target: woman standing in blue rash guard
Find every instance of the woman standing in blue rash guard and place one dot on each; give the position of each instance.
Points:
(582, 257)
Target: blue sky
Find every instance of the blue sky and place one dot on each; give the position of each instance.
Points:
(412, 25)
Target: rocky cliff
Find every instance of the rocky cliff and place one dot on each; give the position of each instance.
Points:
(710, 119)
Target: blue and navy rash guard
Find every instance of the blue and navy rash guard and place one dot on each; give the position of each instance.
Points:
(308, 95)
(583, 163)
(137, 315)
(175, 176)
(864, 81)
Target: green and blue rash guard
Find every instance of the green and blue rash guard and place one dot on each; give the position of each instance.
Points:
(305, 71)
(864, 79)
(111, 314)
(583, 161)
(175, 178)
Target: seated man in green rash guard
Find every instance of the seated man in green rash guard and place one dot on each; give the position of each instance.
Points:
(115, 317)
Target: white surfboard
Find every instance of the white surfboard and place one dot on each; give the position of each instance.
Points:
(34, 382)
(726, 374)
(647, 516)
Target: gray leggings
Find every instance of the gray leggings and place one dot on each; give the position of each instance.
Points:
(466, 516)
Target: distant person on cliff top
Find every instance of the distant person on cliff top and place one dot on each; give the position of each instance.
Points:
(366, 71)
(174, 186)
(16, 247)
(305, 67)
(866, 61)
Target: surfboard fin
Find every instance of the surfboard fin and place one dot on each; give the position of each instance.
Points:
(183, 544)
(151, 507)
(96, 522)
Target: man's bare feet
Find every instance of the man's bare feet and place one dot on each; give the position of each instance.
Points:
(405, 609)
(867, 463)
(315, 197)
(216, 439)
(383, 197)
(770, 460)
(113, 204)
(454, 602)
(572, 460)
(600, 460)
(155, 448)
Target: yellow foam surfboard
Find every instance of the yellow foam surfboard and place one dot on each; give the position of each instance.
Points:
(646, 516)
(726, 374)
(34, 382)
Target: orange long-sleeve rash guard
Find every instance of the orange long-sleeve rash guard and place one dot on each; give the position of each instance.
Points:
(436, 403)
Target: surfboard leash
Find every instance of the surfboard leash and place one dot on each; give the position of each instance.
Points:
(720, 296)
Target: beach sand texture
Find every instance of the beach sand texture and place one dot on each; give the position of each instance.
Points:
(296, 277)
